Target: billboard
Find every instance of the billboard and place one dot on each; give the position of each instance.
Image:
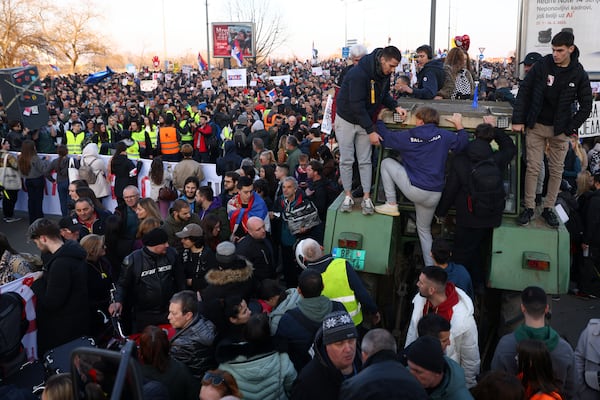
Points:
(233, 39)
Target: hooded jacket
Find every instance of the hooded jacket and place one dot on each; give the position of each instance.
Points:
(561, 353)
(90, 157)
(355, 103)
(463, 346)
(184, 169)
(456, 190)
(319, 379)
(193, 346)
(572, 85)
(430, 79)
(230, 161)
(236, 278)
(424, 150)
(383, 377)
(587, 360)
(452, 386)
(172, 226)
(218, 209)
(62, 311)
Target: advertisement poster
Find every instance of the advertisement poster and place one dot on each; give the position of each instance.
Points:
(545, 18)
(233, 39)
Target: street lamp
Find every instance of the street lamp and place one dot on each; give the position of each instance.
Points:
(346, 20)
(207, 38)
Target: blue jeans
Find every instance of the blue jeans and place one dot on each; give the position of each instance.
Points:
(63, 195)
(35, 197)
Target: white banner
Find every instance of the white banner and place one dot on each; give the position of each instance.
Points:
(317, 71)
(22, 287)
(591, 126)
(51, 203)
(327, 124)
(236, 77)
(148, 85)
(277, 79)
(206, 84)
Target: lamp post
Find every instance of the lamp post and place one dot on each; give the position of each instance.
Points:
(164, 24)
(207, 38)
(346, 21)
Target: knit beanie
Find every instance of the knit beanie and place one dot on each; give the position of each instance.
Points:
(338, 326)
(427, 353)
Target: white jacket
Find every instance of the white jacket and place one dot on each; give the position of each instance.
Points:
(464, 347)
(89, 156)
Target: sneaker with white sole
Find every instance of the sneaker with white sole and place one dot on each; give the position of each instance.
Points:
(388, 209)
(347, 204)
(11, 219)
(367, 206)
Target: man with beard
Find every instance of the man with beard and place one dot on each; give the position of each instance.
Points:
(180, 216)
(190, 185)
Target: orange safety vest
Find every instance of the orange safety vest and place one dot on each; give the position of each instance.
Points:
(168, 140)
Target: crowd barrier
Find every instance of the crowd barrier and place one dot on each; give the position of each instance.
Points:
(51, 204)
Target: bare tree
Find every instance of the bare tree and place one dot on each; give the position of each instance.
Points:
(22, 37)
(270, 31)
(73, 37)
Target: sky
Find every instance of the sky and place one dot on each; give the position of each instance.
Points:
(136, 26)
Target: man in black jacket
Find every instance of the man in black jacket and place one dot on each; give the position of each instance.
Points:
(382, 376)
(194, 337)
(544, 106)
(61, 289)
(149, 277)
(257, 248)
(473, 231)
(364, 91)
(431, 75)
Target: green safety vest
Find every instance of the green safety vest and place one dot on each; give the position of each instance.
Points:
(74, 142)
(337, 288)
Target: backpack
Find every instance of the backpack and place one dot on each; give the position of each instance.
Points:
(240, 138)
(486, 196)
(13, 325)
(87, 173)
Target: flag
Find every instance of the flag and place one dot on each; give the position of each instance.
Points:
(202, 65)
(237, 55)
(315, 52)
(413, 73)
(269, 62)
(272, 94)
(54, 67)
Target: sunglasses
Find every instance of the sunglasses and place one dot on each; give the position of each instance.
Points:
(214, 379)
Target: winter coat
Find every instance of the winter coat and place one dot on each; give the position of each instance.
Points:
(90, 157)
(184, 169)
(231, 281)
(172, 226)
(319, 379)
(449, 86)
(452, 386)
(587, 360)
(573, 85)
(120, 168)
(267, 375)
(355, 100)
(591, 217)
(430, 79)
(463, 346)
(424, 152)
(260, 254)
(291, 301)
(230, 160)
(561, 354)
(39, 167)
(177, 379)
(62, 311)
(382, 377)
(194, 346)
(148, 281)
(218, 209)
(456, 191)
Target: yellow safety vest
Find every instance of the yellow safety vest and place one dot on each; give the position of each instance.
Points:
(133, 151)
(153, 133)
(189, 136)
(337, 288)
(74, 142)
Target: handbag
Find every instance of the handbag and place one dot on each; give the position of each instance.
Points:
(11, 178)
(305, 216)
(167, 193)
(73, 172)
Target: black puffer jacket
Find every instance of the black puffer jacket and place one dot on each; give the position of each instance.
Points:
(574, 85)
(430, 79)
(354, 98)
(457, 184)
(62, 297)
(148, 281)
(194, 346)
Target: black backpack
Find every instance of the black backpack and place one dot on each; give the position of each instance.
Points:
(240, 138)
(13, 325)
(486, 196)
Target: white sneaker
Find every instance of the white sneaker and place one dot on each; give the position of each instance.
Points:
(388, 209)
(367, 206)
(347, 204)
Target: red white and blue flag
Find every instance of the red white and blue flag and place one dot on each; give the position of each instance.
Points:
(202, 65)
(54, 67)
(236, 53)
(272, 94)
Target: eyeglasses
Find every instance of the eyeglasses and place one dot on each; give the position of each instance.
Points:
(214, 379)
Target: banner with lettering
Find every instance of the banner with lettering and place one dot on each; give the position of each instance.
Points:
(236, 77)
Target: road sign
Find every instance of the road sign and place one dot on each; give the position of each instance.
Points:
(481, 56)
(345, 52)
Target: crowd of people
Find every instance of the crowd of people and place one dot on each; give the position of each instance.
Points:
(259, 310)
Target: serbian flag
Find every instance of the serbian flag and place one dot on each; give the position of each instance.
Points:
(236, 53)
(54, 67)
(202, 65)
(272, 94)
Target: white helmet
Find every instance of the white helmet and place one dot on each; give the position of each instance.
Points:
(300, 257)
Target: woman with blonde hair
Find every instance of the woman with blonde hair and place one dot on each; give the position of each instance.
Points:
(99, 278)
(58, 387)
(34, 169)
(282, 150)
(146, 208)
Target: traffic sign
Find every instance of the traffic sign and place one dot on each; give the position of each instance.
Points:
(345, 52)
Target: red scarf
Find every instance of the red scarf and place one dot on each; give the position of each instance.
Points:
(444, 309)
